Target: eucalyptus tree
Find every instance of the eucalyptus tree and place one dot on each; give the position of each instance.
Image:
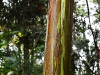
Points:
(58, 38)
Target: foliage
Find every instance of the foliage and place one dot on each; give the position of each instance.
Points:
(22, 26)
(84, 55)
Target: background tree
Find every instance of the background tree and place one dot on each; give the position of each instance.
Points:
(22, 26)
(85, 52)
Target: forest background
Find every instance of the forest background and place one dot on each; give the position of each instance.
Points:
(22, 37)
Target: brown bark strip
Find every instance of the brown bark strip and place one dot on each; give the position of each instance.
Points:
(48, 58)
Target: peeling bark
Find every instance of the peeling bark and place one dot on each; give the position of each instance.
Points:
(58, 38)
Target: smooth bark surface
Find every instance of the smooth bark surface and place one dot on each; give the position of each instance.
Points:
(58, 38)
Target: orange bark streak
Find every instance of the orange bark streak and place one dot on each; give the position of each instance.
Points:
(48, 52)
(52, 46)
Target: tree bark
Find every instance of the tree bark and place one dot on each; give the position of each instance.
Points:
(58, 44)
(26, 55)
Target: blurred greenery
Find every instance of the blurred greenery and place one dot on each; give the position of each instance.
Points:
(84, 55)
(22, 34)
(22, 37)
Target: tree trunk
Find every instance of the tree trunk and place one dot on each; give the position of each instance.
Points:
(26, 55)
(58, 38)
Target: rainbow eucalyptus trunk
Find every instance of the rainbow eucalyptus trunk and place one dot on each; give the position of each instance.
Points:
(58, 38)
